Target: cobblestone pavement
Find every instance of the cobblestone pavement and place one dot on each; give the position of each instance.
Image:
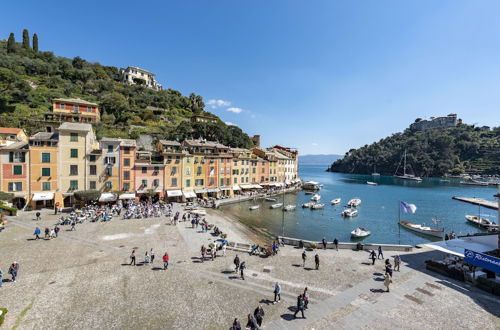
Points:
(82, 280)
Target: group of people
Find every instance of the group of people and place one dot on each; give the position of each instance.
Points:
(335, 242)
(149, 258)
(49, 233)
(13, 272)
(316, 260)
(254, 321)
(302, 303)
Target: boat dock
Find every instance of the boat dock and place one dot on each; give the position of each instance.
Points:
(478, 201)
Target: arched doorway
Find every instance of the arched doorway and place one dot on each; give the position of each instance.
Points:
(19, 202)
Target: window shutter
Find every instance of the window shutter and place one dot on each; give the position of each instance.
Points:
(11, 157)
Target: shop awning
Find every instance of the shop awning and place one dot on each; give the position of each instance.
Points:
(225, 188)
(246, 186)
(257, 186)
(457, 246)
(43, 196)
(212, 190)
(174, 193)
(236, 187)
(107, 197)
(127, 196)
(189, 194)
(200, 191)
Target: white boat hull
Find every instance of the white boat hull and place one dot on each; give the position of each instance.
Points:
(256, 207)
(422, 230)
(276, 206)
(335, 201)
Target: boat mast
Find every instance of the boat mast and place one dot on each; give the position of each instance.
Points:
(399, 222)
(283, 215)
(404, 168)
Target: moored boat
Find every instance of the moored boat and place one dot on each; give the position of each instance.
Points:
(355, 202)
(311, 185)
(308, 192)
(370, 183)
(472, 182)
(307, 205)
(317, 206)
(290, 207)
(336, 201)
(270, 199)
(479, 221)
(277, 205)
(422, 229)
(316, 197)
(406, 176)
(360, 232)
(349, 213)
(254, 207)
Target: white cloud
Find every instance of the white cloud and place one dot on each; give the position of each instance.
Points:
(214, 104)
(314, 144)
(228, 123)
(235, 110)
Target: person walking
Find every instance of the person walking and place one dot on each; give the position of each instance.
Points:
(37, 233)
(305, 297)
(242, 269)
(252, 323)
(397, 262)
(203, 251)
(223, 248)
(165, 261)
(146, 258)
(316, 261)
(380, 254)
(56, 230)
(324, 243)
(47, 233)
(73, 225)
(152, 255)
(1, 277)
(300, 307)
(387, 281)
(14, 270)
(236, 325)
(38, 216)
(388, 267)
(373, 256)
(258, 313)
(304, 257)
(236, 264)
(277, 293)
(336, 243)
(132, 258)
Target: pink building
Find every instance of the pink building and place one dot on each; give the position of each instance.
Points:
(149, 177)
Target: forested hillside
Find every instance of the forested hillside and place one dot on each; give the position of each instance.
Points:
(433, 152)
(30, 79)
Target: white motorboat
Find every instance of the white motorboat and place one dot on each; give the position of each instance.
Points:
(349, 213)
(199, 212)
(336, 201)
(370, 183)
(355, 202)
(290, 207)
(311, 185)
(316, 197)
(270, 199)
(317, 206)
(307, 205)
(254, 207)
(277, 205)
(472, 182)
(480, 221)
(436, 232)
(360, 232)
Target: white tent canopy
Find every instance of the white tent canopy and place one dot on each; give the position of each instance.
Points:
(43, 196)
(246, 186)
(457, 246)
(189, 194)
(174, 193)
(236, 187)
(127, 196)
(107, 197)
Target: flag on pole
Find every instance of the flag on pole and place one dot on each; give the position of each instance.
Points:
(407, 207)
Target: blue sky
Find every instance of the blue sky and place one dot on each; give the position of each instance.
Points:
(323, 76)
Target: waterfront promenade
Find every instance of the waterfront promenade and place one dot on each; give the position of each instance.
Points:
(82, 280)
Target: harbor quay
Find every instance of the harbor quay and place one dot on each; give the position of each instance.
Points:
(83, 279)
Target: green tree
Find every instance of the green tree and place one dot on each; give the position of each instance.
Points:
(35, 42)
(26, 39)
(87, 195)
(11, 44)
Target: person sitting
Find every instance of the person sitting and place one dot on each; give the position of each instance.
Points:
(255, 248)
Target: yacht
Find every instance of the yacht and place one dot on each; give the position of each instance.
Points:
(349, 213)
(406, 176)
(277, 205)
(355, 202)
(316, 197)
(360, 232)
(336, 201)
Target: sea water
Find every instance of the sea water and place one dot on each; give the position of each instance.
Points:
(378, 211)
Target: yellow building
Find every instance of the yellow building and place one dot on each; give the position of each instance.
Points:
(9, 135)
(110, 161)
(74, 110)
(173, 153)
(76, 141)
(43, 163)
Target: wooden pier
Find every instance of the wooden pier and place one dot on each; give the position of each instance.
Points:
(478, 201)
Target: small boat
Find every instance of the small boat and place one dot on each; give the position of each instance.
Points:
(422, 229)
(308, 192)
(479, 221)
(199, 212)
(277, 205)
(370, 183)
(290, 208)
(355, 202)
(307, 205)
(270, 199)
(317, 206)
(375, 174)
(254, 207)
(472, 182)
(311, 185)
(316, 197)
(360, 232)
(335, 201)
(349, 213)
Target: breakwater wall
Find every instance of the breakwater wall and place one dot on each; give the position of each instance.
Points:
(347, 245)
(244, 198)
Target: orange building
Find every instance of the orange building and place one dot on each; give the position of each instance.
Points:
(75, 110)
(127, 162)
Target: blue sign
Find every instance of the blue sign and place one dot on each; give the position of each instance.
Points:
(482, 260)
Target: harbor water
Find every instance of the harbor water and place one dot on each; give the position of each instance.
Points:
(378, 211)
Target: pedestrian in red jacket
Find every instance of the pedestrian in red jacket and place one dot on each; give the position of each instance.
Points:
(165, 261)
